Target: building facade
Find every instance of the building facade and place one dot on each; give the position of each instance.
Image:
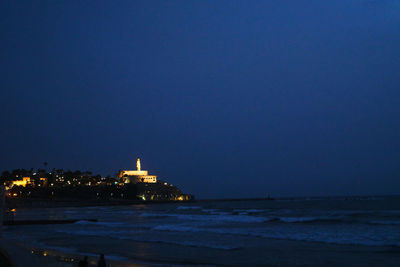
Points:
(136, 176)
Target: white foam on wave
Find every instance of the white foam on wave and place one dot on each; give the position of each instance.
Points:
(327, 238)
(205, 245)
(132, 235)
(118, 234)
(127, 212)
(188, 208)
(108, 224)
(298, 219)
(209, 210)
(331, 238)
(332, 219)
(214, 218)
(386, 222)
(176, 228)
(249, 210)
(220, 213)
(155, 215)
(221, 218)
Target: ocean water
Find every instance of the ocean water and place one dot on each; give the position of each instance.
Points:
(210, 232)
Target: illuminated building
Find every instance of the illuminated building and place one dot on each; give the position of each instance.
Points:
(44, 181)
(136, 176)
(23, 182)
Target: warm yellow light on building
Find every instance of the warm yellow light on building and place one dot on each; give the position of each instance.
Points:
(136, 176)
(23, 182)
(44, 181)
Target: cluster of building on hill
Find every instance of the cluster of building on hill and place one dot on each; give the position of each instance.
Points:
(60, 184)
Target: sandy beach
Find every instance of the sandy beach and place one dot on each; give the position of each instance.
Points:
(21, 255)
(276, 253)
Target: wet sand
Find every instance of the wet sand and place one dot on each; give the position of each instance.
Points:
(275, 253)
(22, 255)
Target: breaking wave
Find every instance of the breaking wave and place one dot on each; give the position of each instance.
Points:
(215, 218)
(188, 208)
(320, 237)
(109, 224)
(132, 235)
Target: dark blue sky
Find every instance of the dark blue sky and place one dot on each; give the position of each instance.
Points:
(222, 98)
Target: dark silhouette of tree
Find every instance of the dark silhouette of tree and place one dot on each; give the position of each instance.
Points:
(5, 176)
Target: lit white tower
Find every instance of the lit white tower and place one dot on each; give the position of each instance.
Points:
(136, 176)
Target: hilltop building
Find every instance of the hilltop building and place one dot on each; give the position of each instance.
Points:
(23, 182)
(27, 181)
(136, 176)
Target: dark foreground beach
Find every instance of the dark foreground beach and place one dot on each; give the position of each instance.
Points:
(276, 253)
(299, 232)
(14, 253)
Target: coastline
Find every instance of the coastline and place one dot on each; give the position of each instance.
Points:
(45, 203)
(56, 203)
(21, 254)
(275, 253)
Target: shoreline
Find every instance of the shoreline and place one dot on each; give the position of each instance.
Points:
(45, 203)
(21, 254)
(275, 253)
(55, 203)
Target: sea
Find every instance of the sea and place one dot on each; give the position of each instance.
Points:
(212, 232)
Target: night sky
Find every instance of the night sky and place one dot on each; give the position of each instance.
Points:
(222, 98)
